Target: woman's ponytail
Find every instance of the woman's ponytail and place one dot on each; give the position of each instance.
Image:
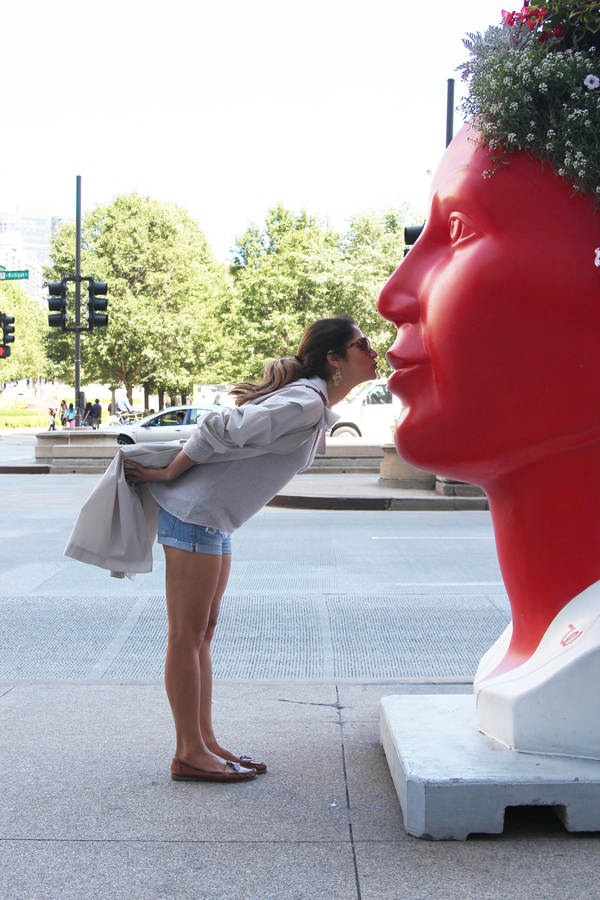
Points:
(318, 340)
(278, 373)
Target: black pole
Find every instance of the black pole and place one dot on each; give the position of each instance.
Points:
(450, 112)
(78, 303)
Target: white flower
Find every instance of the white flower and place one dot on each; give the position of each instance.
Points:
(592, 82)
(531, 137)
(597, 260)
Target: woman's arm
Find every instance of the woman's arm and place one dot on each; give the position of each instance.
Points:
(279, 423)
(138, 474)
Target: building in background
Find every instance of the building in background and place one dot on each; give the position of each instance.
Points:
(35, 226)
(25, 244)
(14, 256)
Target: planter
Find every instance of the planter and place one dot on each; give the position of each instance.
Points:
(395, 473)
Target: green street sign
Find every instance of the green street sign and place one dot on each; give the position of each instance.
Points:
(14, 275)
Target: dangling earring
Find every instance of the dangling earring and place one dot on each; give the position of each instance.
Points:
(337, 377)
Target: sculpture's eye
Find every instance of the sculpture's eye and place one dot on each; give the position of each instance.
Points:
(461, 228)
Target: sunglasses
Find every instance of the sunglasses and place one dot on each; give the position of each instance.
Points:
(363, 343)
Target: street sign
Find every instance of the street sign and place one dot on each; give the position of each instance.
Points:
(14, 275)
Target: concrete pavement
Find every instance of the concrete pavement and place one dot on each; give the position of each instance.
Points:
(327, 611)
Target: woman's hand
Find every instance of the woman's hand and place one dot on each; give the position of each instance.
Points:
(138, 474)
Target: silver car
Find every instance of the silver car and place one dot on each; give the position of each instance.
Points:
(175, 423)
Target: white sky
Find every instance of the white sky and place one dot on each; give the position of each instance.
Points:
(336, 105)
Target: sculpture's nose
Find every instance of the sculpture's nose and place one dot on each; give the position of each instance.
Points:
(396, 303)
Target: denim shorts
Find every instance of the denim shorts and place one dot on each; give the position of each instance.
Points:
(196, 538)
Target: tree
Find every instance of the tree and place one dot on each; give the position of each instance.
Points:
(297, 269)
(28, 356)
(283, 276)
(372, 249)
(165, 290)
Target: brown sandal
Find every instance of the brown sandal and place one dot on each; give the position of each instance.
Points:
(181, 771)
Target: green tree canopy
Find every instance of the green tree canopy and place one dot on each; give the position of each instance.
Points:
(296, 269)
(372, 249)
(284, 273)
(166, 292)
(28, 355)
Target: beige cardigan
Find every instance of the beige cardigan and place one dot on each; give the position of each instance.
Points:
(247, 455)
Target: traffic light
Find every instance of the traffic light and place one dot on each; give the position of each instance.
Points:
(97, 304)
(8, 332)
(411, 235)
(57, 303)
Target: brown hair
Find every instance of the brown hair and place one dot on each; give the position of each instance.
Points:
(318, 340)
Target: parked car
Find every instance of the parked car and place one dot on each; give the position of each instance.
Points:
(370, 411)
(175, 423)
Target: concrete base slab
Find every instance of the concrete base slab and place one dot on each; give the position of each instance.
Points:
(453, 781)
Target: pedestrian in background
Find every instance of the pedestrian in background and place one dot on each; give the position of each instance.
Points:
(96, 414)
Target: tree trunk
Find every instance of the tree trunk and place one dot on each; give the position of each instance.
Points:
(146, 398)
(129, 391)
(161, 400)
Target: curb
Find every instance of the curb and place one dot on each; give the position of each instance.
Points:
(295, 501)
(25, 470)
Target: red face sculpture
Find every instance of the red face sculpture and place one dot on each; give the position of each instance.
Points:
(498, 314)
(497, 362)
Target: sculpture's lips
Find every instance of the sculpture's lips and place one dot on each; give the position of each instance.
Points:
(400, 362)
(408, 377)
(401, 365)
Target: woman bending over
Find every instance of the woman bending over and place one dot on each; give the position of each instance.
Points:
(234, 463)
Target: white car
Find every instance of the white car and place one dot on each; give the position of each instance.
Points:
(370, 411)
(175, 423)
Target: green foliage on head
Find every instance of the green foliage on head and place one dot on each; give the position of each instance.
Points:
(535, 94)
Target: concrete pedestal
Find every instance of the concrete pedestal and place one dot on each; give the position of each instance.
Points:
(395, 473)
(452, 780)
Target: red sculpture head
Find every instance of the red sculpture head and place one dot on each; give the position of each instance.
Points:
(498, 312)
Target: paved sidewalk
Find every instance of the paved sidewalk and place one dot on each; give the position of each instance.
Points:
(89, 811)
(326, 613)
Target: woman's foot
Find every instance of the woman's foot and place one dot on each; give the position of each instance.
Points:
(245, 761)
(231, 771)
(203, 760)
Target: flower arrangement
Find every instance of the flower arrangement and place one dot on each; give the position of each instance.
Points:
(534, 86)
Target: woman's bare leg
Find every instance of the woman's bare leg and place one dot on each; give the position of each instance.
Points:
(193, 581)
(206, 726)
